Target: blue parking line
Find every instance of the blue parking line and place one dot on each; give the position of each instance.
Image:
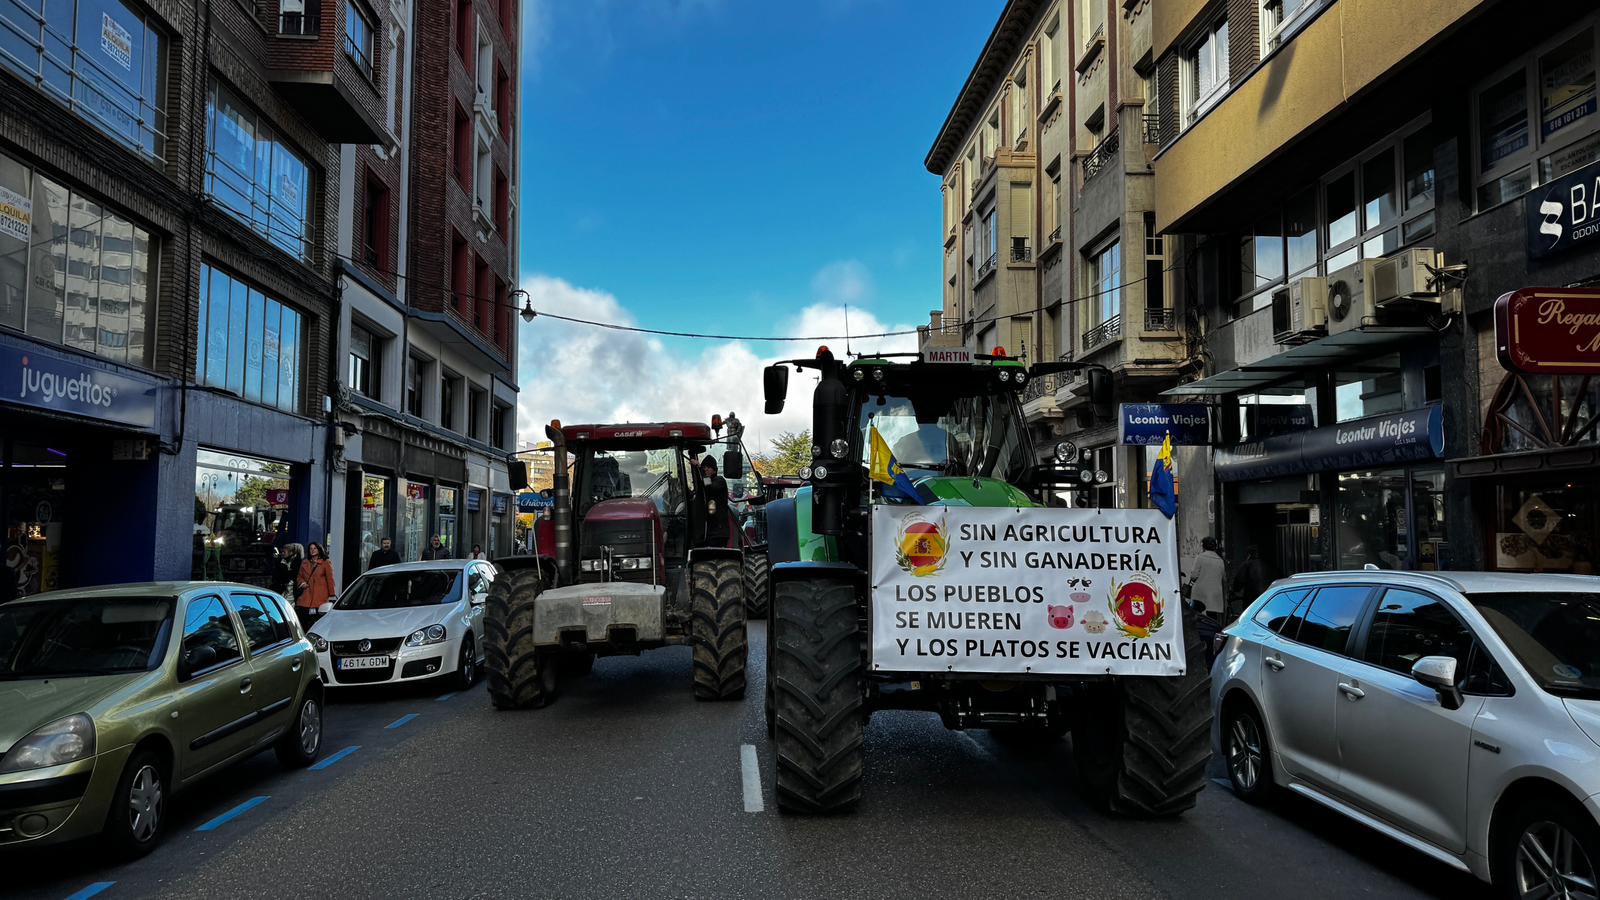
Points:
(335, 758)
(443, 697)
(91, 890)
(400, 721)
(232, 814)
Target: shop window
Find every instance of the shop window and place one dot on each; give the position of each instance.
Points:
(1538, 121)
(375, 525)
(1427, 516)
(446, 520)
(72, 271)
(1373, 527)
(254, 174)
(1371, 388)
(366, 362)
(1545, 524)
(241, 516)
(249, 343)
(413, 520)
(1542, 412)
(100, 58)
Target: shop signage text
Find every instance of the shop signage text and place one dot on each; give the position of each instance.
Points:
(1267, 419)
(531, 502)
(1410, 436)
(1148, 424)
(1564, 213)
(1549, 331)
(499, 503)
(44, 380)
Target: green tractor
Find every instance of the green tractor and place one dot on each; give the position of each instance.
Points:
(921, 568)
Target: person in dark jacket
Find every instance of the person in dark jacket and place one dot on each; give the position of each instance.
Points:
(436, 550)
(714, 494)
(384, 555)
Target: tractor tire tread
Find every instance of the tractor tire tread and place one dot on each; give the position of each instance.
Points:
(513, 665)
(717, 630)
(818, 678)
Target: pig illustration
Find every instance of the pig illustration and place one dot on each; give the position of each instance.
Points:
(1060, 616)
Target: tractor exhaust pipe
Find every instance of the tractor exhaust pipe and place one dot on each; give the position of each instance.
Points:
(563, 508)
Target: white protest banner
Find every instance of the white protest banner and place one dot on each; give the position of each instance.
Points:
(1042, 591)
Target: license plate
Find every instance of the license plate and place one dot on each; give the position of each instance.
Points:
(364, 662)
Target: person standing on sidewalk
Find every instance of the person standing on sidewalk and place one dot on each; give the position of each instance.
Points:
(436, 550)
(384, 555)
(315, 584)
(1206, 581)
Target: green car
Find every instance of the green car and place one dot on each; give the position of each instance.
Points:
(113, 698)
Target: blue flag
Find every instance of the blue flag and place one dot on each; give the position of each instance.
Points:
(1163, 493)
(885, 469)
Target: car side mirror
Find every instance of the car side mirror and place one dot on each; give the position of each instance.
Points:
(1439, 673)
(775, 385)
(480, 597)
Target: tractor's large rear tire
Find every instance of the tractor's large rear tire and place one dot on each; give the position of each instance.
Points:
(1142, 743)
(818, 677)
(756, 573)
(519, 674)
(717, 629)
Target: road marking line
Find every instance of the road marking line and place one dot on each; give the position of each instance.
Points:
(443, 697)
(335, 758)
(232, 814)
(91, 890)
(400, 721)
(750, 771)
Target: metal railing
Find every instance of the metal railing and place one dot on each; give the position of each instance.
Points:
(1055, 236)
(307, 22)
(1021, 252)
(1109, 330)
(1103, 155)
(1152, 127)
(988, 266)
(1160, 320)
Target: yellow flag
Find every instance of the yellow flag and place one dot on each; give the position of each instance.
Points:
(882, 462)
(1165, 456)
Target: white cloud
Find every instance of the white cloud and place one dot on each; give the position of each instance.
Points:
(581, 373)
(843, 282)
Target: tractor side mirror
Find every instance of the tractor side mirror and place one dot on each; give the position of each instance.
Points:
(775, 384)
(1099, 407)
(733, 465)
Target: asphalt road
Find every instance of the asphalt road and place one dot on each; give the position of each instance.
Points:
(627, 787)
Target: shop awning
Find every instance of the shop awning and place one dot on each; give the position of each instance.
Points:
(1555, 459)
(1331, 351)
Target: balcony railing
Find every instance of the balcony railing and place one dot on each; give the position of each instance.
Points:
(988, 266)
(1102, 157)
(1043, 386)
(1055, 236)
(1109, 330)
(1160, 320)
(306, 21)
(1152, 127)
(1021, 252)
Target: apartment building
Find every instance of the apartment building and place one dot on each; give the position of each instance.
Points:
(1049, 236)
(168, 182)
(1000, 157)
(1349, 188)
(427, 385)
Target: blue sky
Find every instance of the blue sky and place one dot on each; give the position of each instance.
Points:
(742, 166)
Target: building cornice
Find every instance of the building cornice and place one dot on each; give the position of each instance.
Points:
(1005, 44)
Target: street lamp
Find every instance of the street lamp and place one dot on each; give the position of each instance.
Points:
(528, 313)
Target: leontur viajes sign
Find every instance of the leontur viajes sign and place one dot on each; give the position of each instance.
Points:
(1549, 331)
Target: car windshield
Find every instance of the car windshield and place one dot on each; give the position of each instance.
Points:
(1556, 637)
(83, 636)
(620, 474)
(401, 590)
(932, 435)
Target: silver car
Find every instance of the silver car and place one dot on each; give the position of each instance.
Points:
(1458, 713)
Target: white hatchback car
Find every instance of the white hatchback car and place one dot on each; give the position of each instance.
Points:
(406, 622)
(1458, 713)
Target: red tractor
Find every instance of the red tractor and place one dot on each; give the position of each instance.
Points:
(621, 566)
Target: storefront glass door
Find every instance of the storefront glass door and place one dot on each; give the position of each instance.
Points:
(35, 488)
(413, 521)
(375, 491)
(241, 514)
(447, 521)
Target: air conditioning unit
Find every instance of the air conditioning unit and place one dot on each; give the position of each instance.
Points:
(1350, 303)
(1299, 310)
(1404, 276)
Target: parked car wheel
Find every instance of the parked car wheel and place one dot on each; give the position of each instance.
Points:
(301, 744)
(467, 665)
(138, 811)
(1549, 848)
(1244, 747)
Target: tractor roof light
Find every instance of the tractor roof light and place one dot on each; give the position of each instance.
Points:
(999, 352)
(824, 353)
(716, 421)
